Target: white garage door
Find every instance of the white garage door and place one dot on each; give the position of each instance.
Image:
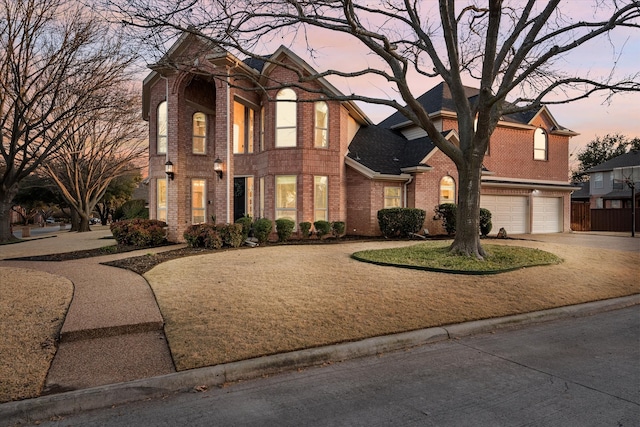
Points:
(547, 214)
(510, 212)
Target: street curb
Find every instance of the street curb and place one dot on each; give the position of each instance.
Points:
(45, 407)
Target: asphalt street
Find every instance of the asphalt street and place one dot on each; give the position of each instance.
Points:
(573, 372)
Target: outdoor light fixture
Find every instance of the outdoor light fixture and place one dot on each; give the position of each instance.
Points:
(217, 166)
(168, 169)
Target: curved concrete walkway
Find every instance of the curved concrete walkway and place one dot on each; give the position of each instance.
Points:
(113, 331)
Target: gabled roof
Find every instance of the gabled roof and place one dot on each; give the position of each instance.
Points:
(632, 158)
(582, 193)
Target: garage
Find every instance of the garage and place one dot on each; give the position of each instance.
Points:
(510, 212)
(547, 214)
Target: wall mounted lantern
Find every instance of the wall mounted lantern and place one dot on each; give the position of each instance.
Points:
(217, 166)
(168, 169)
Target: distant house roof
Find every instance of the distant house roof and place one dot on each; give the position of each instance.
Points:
(632, 158)
(582, 193)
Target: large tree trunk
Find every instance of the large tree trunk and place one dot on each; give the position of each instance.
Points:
(6, 204)
(75, 219)
(467, 240)
(83, 224)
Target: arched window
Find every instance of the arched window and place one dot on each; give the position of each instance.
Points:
(322, 125)
(540, 144)
(161, 135)
(286, 118)
(199, 133)
(447, 190)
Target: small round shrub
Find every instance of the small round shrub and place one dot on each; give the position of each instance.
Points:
(394, 222)
(338, 227)
(485, 222)
(447, 213)
(203, 236)
(246, 222)
(231, 234)
(262, 228)
(322, 228)
(139, 232)
(305, 229)
(284, 228)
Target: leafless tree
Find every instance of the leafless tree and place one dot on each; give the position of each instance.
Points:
(56, 60)
(94, 152)
(509, 48)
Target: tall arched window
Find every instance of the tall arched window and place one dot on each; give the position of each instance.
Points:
(199, 133)
(161, 135)
(286, 118)
(322, 125)
(540, 144)
(447, 190)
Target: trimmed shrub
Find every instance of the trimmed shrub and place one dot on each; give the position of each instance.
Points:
(337, 228)
(322, 228)
(485, 222)
(203, 236)
(231, 234)
(447, 213)
(262, 228)
(139, 232)
(246, 222)
(284, 228)
(305, 229)
(400, 222)
(132, 209)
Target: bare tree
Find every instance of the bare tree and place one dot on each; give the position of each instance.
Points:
(94, 152)
(509, 48)
(56, 59)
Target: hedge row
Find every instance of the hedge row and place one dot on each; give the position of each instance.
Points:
(139, 232)
(400, 222)
(214, 236)
(447, 213)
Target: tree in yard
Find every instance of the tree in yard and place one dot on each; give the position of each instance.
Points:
(95, 151)
(56, 60)
(36, 195)
(600, 150)
(118, 192)
(504, 48)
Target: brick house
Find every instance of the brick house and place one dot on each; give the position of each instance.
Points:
(236, 150)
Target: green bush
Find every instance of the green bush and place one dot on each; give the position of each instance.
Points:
(322, 228)
(262, 228)
(231, 234)
(132, 209)
(203, 236)
(485, 222)
(284, 228)
(139, 232)
(338, 227)
(246, 222)
(447, 213)
(305, 229)
(400, 222)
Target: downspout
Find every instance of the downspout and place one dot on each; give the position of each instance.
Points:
(406, 190)
(228, 174)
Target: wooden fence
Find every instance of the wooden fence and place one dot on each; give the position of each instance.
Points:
(612, 219)
(580, 216)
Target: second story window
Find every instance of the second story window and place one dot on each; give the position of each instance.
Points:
(243, 118)
(161, 135)
(199, 133)
(540, 144)
(321, 125)
(286, 118)
(598, 181)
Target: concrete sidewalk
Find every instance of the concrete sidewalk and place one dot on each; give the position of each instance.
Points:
(113, 331)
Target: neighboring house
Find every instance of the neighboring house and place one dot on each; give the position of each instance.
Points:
(245, 149)
(609, 182)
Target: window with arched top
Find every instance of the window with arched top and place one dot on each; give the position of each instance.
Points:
(540, 144)
(286, 118)
(447, 190)
(199, 133)
(161, 135)
(321, 125)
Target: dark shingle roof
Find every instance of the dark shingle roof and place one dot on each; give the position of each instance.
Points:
(582, 193)
(632, 158)
(385, 151)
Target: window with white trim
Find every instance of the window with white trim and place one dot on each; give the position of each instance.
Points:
(261, 200)
(321, 198)
(161, 199)
(321, 135)
(162, 126)
(540, 144)
(286, 118)
(243, 117)
(447, 190)
(598, 180)
(392, 197)
(286, 197)
(198, 203)
(199, 133)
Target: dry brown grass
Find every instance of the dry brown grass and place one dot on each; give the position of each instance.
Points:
(240, 304)
(32, 308)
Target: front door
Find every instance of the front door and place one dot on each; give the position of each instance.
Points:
(242, 197)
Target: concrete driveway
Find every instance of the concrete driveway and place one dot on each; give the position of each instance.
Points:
(597, 240)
